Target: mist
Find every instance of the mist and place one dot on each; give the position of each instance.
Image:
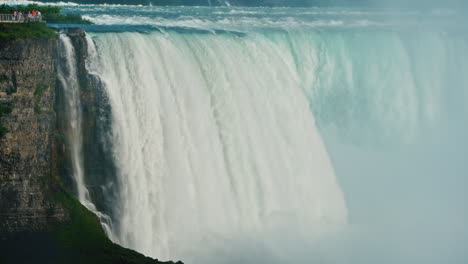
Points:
(404, 180)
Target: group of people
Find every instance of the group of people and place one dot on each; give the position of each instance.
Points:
(27, 16)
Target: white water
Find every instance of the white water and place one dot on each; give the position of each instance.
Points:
(218, 154)
(213, 148)
(68, 76)
(219, 158)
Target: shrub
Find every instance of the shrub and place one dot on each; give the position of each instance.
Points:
(65, 19)
(35, 30)
(40, 88)
(5, 109)
(3, 130)
(3, 78)
(37, 109)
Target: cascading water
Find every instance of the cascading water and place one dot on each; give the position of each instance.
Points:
(219, 150)
(67, 74)
(213, 147)
(226, 124)
(68, 77)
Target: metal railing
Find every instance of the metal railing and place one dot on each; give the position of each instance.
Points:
(19, 18)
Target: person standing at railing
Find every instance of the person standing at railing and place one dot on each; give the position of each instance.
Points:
(15, 16)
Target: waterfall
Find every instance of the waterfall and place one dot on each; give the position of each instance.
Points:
(279, 135)
(68, 77)
(217, 148)
(211, 146)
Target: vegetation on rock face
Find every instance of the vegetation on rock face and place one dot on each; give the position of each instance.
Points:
(37, 109)
(35, 30)
(4, 78)
(40, 88)
(5, 109)
(51, 14)
(80, 240)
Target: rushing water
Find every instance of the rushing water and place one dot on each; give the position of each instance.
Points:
(280, 135)
(68, 77)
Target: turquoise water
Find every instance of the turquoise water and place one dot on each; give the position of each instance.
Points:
(254, 19)
(279, 135)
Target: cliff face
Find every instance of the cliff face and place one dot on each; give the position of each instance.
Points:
(28, 74)
(40, 221)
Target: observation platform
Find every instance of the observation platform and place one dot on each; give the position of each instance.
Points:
(9, 18)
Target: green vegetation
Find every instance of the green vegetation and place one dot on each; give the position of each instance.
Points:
(59, 137)
(4, 78)
(38, 93)
(83, 233)
(40, 88)
(5, 109)
(37, 108)
(67, 19)
(51, 14)
(77, 241)
(82, 240)
(35, 30)
(3, 130)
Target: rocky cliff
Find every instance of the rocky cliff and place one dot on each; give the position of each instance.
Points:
(40, 220)
(27, 89)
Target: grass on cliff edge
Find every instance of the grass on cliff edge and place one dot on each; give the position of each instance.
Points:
(35, 30)
(81, 240)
